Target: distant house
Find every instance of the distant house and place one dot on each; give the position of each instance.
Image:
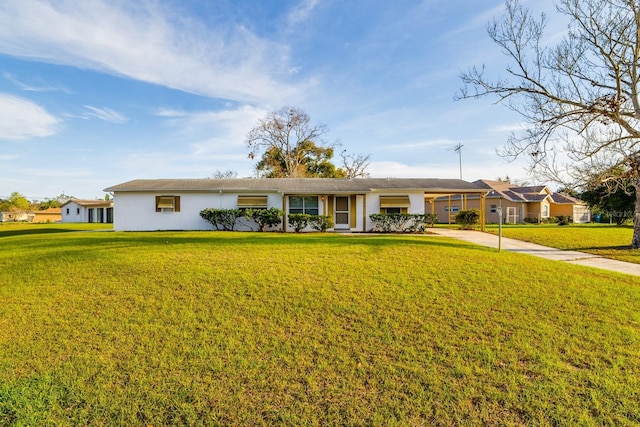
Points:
(15, 216)
(518, 203)
(47, 215)
(175, 204)
(78, 210)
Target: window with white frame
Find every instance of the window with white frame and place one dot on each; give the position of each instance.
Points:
(303, 205)
(167, 203)
(494, 208)
(545, 211)
(452, 209)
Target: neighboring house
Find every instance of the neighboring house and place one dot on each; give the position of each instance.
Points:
(47, 215)
(518, 203)
(175, 204)
(16, 216)
(77, 210)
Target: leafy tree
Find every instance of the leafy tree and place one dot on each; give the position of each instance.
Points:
(616, 203)
(581, 96)
(288, 140)
(18, 202)
(316, 164)
(289, 146)
(48, 203)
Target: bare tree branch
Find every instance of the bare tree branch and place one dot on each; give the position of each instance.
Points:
(580, 97)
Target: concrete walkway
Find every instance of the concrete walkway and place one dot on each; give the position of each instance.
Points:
(512, 245)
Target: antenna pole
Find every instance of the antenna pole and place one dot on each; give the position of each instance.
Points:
(459, 150)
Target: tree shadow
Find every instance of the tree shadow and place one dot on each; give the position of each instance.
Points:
(26, 231)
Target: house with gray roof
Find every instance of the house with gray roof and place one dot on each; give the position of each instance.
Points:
(518, 203)
(81, 210)
(175, 204)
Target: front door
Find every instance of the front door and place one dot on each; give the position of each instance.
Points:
(342, 213)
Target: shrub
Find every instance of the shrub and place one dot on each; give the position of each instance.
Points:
(321, 222)
(221, 219)
(430, 219)
(401, 223)
(564, 220)
(265, 217)
(468, 219)
(299, 221)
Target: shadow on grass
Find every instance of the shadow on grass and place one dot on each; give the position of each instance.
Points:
(221, 239)
(25, 231)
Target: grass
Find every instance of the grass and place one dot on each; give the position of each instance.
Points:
(19, 228)
(213, 328)
(609, 241)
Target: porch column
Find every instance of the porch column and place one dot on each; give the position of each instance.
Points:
(284, 212)
(483, 211)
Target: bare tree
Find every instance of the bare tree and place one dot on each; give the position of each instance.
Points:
(287, 139)
(355, 165)
(222, 174)
(580, 97)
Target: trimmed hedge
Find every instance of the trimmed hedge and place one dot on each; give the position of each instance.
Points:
(402, 223)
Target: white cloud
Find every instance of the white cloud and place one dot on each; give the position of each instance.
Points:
(23, 119)
(147, 42)
(215, 132)
(105, 114)
(39, 86)
(302, 12)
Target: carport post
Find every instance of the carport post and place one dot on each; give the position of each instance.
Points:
(500, 226)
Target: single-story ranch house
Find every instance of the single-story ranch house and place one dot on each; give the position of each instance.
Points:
(175, 204)
(78, 210)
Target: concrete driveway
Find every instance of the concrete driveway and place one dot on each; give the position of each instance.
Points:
(512, 245)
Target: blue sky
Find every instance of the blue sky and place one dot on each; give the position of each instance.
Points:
(95, 93)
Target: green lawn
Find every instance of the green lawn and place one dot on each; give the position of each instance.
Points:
(213, 328)
(609, 241)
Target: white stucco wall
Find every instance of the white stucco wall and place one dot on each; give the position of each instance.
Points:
(373, 205)
(137, 211)
(73, 215)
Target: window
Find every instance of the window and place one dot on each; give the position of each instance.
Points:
(67, 211)
(394, 204)
(453, 209)
(303, 204)
(167, 203)
(77, 211)
(494, 209)
(545, 211)
(259, 202)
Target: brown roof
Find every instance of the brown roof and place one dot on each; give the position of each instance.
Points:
(90, 203)
(298, 185)
(49, 211)
(512, 192)
(565, 198)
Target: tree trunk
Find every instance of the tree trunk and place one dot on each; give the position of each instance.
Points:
(635, 243)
